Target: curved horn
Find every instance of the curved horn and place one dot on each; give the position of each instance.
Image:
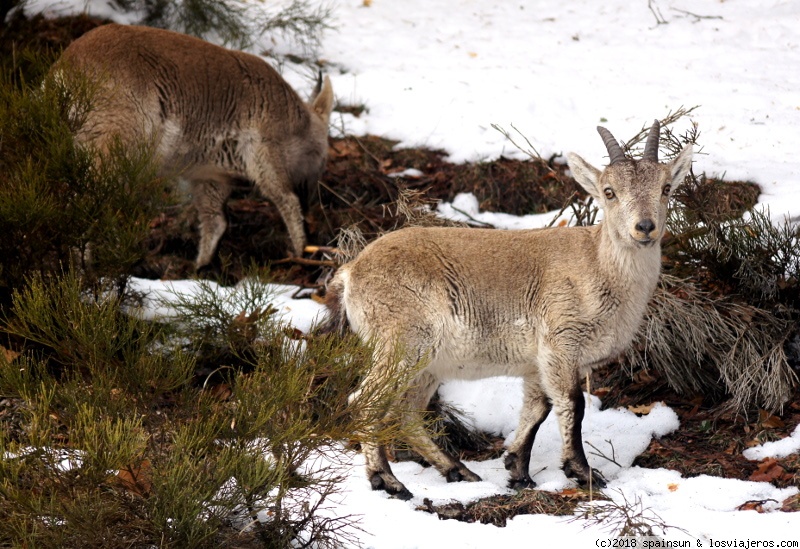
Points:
(614, 150)
(651, 145)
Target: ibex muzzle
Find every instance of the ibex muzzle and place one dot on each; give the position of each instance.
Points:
(566, 301)
(214, 115)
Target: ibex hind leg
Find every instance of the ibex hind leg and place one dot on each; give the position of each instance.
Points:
(209, 198)
(417, 398)
(379, 472)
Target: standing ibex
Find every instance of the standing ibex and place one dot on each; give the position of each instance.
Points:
(546, 305)
(214, 115)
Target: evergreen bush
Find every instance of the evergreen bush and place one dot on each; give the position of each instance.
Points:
(121, 443)
(61, 203)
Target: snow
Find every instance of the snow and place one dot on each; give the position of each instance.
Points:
(439, 73)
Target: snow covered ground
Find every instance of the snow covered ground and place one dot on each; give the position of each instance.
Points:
(438, 73)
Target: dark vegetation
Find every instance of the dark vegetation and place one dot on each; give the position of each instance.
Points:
(121, 432)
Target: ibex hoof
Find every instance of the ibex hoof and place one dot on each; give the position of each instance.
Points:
(393, 488)
(582, 476)
(510, 461)
(521, 483)
(457, 475)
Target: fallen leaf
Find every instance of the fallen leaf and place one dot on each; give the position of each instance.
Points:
(367, 3)
(768, 421)
(642, 409)
(137, 479)
(8, 354)
(768, 470)
(791, 504)
(221, 392)
(643, 377)
(672, 487)
(754, 505)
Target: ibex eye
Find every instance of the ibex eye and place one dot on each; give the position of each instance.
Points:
(667, 189)
(609, 194)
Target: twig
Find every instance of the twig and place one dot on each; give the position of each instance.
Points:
(597, 452)
(698, 17)
(309, 262)
(567, 204)
(532, 152)
(312, 249)
(671, 118)
(483, 223)
(351, 205)
(656, 13)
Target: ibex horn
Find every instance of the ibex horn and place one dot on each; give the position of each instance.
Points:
(614, 150)
(651, 145)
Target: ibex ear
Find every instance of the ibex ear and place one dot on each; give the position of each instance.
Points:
(585, 174)
(680, 166)
(322, 103)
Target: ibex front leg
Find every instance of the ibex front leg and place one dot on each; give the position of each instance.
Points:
(273, 183)
(535, 408)
(569, 406)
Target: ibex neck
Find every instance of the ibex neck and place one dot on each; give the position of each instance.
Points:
(637, 264)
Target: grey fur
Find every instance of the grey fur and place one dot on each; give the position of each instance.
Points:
(214, 115)
(546, 305)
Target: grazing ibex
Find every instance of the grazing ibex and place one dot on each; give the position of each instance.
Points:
(546, 305)
(214, 115)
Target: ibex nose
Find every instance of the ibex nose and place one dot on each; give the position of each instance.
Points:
(646, 226)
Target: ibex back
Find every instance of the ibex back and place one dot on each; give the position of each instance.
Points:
(546, 305)
(213, 114)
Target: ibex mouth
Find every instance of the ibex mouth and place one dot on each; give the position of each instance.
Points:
(645, 242)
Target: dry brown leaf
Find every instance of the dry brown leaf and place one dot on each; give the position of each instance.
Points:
(137, 479)
(769, 421)
(642, 409)
(672, 487)
(643, 377)
(8, 354)
(753, 505)
(221, 392)
(791, 504)
(768, 470)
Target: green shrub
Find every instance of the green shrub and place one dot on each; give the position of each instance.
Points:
(60, 203)
(118, 441)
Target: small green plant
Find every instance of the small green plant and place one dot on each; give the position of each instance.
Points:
(123, 439)
(61, 203)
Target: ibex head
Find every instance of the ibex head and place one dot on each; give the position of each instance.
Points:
(633, 193)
